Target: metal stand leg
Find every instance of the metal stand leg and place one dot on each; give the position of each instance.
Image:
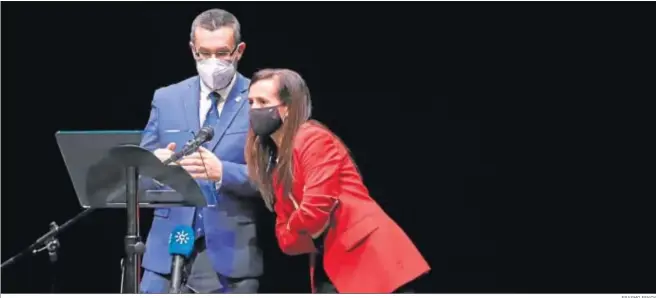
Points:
(122, 276)
(52, 247)
(134, 248)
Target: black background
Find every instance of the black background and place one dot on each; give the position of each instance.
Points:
(503, 137)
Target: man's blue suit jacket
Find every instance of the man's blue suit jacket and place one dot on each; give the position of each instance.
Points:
(230, 226)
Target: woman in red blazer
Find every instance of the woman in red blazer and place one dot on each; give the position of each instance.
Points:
(306, 175)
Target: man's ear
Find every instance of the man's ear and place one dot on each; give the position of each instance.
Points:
(193, 50)
(241, 48)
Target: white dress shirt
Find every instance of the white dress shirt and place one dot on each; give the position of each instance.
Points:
(206, 102)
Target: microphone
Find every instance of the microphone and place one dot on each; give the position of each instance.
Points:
(204, 135)
(181, 245)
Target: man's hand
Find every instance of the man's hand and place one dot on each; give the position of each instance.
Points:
(165, 153)
(203, 164)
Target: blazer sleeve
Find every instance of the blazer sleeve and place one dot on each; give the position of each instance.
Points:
(150, 141)
(235, 178)
(321, 161)
(150, 134)
(291, 243)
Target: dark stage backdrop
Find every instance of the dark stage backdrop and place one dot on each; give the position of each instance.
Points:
(496, 134)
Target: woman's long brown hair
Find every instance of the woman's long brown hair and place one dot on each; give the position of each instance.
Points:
(260, 151)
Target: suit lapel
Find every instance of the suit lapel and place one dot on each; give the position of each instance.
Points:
(233, 104)
(191, 100)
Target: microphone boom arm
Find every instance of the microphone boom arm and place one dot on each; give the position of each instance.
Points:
(48, 239)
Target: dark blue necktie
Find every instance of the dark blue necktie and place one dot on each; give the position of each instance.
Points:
(211, 119)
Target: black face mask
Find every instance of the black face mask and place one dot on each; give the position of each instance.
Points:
(265, 121)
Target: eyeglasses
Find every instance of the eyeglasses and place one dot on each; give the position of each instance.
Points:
(222, 54)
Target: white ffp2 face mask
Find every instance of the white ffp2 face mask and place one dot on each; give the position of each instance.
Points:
(216, 73)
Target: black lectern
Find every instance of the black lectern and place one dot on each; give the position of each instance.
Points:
(107, 169)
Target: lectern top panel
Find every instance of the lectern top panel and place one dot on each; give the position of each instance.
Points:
(82, 149)
(96, 161)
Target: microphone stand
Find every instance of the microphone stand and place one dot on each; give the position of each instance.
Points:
(48, 241)
(52, 244)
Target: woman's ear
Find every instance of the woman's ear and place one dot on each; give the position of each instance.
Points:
(282, 110)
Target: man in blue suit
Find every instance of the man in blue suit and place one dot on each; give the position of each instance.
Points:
(227, 258)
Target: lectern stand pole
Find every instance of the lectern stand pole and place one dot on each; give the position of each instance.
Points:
(134, 248)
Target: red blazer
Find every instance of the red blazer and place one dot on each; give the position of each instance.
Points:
(365, 251)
